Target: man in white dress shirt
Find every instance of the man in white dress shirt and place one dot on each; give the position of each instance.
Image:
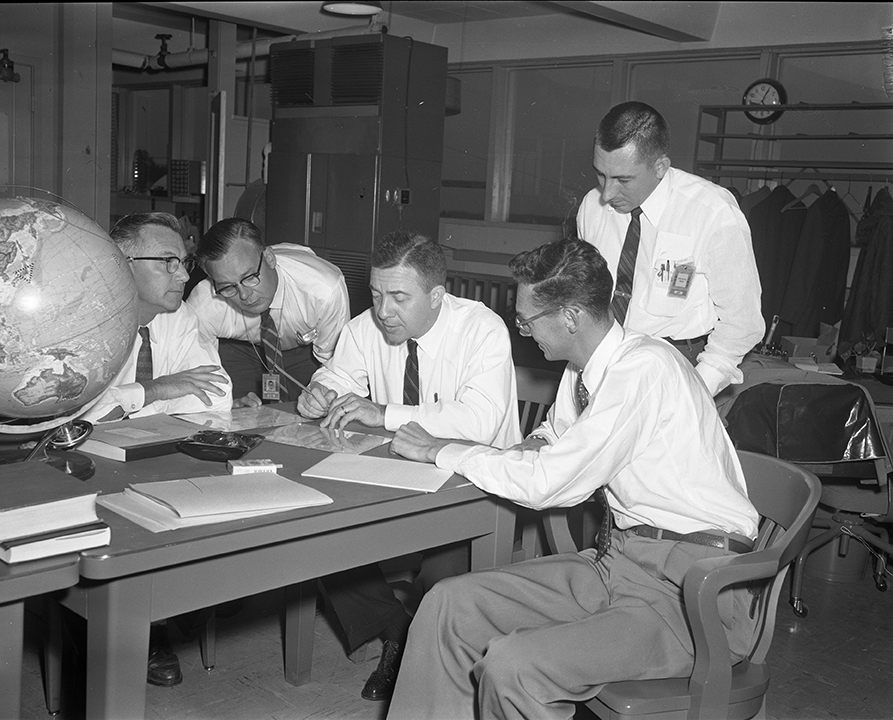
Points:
(695, 281)
(184, 373)
(304, 295)
(463, 387)
(632, 417)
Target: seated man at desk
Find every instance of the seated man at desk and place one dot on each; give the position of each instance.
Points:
(282, 299)
(173, 367)
(633, 423)
(421, 355)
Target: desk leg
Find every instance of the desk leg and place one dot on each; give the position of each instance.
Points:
(12, 620)
(495, 549)
(118, 619)
(300, 616)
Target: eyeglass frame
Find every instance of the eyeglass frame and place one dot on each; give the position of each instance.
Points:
(523, 326)
(171, 262)
(254, 279)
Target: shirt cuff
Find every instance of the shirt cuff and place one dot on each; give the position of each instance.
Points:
(396, 415)
(714, 379)
(449, 457)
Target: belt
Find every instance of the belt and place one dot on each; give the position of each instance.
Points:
(723, 542)
(687, 343)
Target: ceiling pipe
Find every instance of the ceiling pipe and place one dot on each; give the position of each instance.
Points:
(166, 61)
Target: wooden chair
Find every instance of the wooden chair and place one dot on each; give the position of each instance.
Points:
(786, 497)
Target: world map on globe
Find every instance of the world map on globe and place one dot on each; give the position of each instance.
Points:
(69, 315)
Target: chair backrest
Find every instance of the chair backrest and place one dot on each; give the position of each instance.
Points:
(536, 393)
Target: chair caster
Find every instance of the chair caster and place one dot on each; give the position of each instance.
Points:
(800, 608)
(881, 584)
(209, 668)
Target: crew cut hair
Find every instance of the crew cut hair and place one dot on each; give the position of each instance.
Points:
(566, 272)
(126, 231)
(414, 250)
(220, 237)
(637, 123)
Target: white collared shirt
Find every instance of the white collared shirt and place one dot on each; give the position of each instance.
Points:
(177, 344)
(310, 306)
(651, 434)
(466, 374)
(687, 219)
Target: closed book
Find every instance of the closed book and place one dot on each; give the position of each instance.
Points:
(137, 438)
(36, 498)
(55, 542)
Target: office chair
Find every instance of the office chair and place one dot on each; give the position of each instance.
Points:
(786, 497)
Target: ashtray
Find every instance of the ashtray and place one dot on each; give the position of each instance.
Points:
(218, 446)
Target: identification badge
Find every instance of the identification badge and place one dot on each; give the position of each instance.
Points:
(680, 282)
(270, 386)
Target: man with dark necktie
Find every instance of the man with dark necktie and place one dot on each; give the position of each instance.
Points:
(173, 367)
(678, 245)
(633, 419)
(418, 355)
(278, 309)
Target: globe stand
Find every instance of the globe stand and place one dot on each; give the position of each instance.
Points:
(54, 449)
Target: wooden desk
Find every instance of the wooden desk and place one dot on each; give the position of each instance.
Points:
(144, 576)
(17, 583)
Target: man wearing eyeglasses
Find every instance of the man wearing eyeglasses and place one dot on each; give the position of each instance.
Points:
(302, 296)
(186, 374)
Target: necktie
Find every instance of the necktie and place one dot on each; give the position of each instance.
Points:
(269, 336)
(623, 288)
(600, 497)
(411, 374)
(144, 357)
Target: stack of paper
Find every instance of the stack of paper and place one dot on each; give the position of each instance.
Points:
(172, 504)
(387, 472)
(138, 438)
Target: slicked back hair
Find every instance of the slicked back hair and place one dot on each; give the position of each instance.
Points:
(220, 237)
(419, 252)
(126, 231)
(566, 272)
(637, 123)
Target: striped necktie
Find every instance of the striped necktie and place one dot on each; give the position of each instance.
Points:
(626, 268)
(411, 374)
(600, 497)
(269, 336)
(144, 371)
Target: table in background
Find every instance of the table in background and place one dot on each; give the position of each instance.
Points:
(18, 583)
(143, 576)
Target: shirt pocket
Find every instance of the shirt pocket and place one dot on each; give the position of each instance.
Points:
(670, 250)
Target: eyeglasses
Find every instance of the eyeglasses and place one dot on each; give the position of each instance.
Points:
(524, 325)
(171, 263)
(249, 281)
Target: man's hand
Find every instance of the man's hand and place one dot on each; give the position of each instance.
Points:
(415, 443)
(534, 442)
(314, 402)
(353, 407)
(250, 400)
(201, 381)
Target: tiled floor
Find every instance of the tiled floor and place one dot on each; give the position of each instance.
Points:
(835, 664)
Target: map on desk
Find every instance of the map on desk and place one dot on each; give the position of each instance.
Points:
(241, 419)
(310, 435)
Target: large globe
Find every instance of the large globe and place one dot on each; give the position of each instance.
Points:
(69, 313)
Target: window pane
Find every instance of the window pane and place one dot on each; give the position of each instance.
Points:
(678, 89)
(463, 191)
(555, 113)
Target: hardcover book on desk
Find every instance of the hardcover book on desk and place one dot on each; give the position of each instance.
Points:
(138, 438)
(45, 512)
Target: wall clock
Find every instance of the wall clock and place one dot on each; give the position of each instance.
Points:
(764, 92)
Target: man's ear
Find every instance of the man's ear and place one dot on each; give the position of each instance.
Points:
(436, 294)
(661, 165)
(571, 318)
(270, 257)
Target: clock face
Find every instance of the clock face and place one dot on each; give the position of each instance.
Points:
(764, 92)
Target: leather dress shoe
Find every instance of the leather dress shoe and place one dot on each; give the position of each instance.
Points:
(380, 684)
(164, 667)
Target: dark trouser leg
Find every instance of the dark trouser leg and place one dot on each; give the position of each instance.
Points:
(440, 563)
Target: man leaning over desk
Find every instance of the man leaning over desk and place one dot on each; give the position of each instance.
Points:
(632, 423)
(418, 355)
(173, 367)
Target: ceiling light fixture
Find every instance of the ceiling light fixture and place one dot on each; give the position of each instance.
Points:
(352, 8)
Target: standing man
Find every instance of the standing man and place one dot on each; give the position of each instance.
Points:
(418, 355)
(678, 245)
(284, 299)
(631, 423)
(173, 367)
